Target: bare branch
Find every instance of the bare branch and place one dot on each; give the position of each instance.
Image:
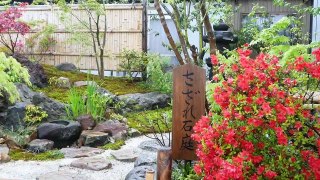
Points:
(167, 31)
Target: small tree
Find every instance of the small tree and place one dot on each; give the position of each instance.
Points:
(183, 16)
(96, 17)
(11, 27)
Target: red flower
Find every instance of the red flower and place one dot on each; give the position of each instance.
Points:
(214, 59)
(270, 174)
(260, 170)
(298, 125)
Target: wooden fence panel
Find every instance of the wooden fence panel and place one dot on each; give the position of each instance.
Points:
(124, 31)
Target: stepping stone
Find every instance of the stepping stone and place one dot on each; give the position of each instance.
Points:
(62, 175)
(84, 151)
(92, 163)
(125, 155)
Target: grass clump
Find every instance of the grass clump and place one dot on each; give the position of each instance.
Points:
(159, 120)
(116, 85)
(114, 146)
(28, 156)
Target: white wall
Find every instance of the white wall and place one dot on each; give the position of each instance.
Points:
(316, 23)
(156, 35)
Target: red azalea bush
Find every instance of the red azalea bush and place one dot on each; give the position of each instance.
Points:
(257, 127)
(11, 27)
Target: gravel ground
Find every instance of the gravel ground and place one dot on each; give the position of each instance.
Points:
(30, 170)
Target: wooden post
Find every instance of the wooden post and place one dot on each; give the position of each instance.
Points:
(188, 107)
(164, 164)
(150, 175)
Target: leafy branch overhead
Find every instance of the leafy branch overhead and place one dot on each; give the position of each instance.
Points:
(183, 13)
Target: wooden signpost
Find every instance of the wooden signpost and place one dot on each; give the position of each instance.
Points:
(188, 107)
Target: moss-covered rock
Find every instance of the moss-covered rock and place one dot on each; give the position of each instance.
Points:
(158, 120)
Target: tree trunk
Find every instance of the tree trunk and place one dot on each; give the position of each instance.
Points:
(167, 31)
(101, 64)
(176, 19)
(208, 26)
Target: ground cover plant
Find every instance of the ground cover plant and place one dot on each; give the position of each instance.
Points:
(150, 121)
(257, 126)
(114, 85)
(28, 156)
(114, 146)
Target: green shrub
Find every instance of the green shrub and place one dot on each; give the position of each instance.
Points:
(184, 172)
(89, 103)
(133, 61)
(34, 114)
(10, 72)
(20, 136)
(76, 104)
(158, 79)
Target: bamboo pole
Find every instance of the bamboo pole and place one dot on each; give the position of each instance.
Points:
(150, 175)
(164, 164)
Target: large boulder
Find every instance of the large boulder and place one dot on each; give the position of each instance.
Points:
(62, 133)
(4, 102)
(146, 159)
(152, 145)
(36, 71)
(14, 117)
(107, 93)
(87, 122)
(147, 101)
(63, 82)
(25, 93)
(54, 109)
(139, 173)
(40, 145)
(116, 129)
(93, 138)
(66, 67)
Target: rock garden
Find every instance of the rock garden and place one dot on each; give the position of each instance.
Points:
(69, 121)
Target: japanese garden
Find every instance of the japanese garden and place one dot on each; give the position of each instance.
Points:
(172, 89)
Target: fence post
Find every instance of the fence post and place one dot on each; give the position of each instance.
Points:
(164, 164)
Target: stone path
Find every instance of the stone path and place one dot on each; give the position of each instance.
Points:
(94, 166)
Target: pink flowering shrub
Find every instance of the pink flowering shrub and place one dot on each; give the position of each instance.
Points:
(11, 27)
(257, 127)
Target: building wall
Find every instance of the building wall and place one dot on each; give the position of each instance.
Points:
(316, 23)
(156, 35)
(247, 5)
